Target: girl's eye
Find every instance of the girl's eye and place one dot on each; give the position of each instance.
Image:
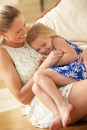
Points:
(44, 45)
(38, 50)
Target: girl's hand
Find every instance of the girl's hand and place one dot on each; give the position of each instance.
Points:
(42, 59)
(54, 57)
(83, 58)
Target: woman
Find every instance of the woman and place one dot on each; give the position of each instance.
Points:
(15, 69)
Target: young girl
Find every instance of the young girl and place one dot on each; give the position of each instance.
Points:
(45, 40)
(63, 70)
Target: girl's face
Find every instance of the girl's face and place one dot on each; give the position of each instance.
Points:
(43, 46)
(16, 33)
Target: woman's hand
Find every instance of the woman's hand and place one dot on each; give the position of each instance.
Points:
(83, 58)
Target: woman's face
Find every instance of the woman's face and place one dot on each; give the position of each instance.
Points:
(43, 46)
(17, 32)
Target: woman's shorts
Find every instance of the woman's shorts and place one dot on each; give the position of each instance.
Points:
(65, 91)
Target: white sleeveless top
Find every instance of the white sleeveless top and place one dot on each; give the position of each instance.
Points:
(26, 62)
(25, 59)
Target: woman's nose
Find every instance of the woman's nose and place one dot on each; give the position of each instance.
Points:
(24, 30)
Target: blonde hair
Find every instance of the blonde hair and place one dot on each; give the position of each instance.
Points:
(39, 30)
(7, 15)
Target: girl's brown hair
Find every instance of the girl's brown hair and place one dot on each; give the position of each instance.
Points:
(39, 30)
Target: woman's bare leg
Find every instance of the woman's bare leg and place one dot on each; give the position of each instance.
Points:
(49, 87)
(79, 102)
(78, 97)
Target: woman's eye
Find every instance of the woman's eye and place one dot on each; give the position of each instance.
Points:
(18, 31)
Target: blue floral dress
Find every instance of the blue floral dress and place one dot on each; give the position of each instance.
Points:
(72, 70)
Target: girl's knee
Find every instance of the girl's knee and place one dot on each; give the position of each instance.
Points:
(35, 88)
(37, 75)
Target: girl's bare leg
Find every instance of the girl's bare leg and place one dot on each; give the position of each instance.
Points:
(79, 102)
(49, 87)
(58, 79)
(44, 97)
(50, 104)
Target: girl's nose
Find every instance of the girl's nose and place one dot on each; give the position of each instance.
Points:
(42, 50)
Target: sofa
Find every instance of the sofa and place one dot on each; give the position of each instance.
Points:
(69, 19)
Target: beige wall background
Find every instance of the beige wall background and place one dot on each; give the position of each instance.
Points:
(31, 9)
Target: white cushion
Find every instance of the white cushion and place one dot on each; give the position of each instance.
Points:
(69, 19)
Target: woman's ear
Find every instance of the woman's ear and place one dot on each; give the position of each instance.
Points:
(1, 33)
(1, 36)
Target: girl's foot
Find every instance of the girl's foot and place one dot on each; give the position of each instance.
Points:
(65, 114)
(56, 124)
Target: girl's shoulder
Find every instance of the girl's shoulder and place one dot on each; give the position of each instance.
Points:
(56, 37)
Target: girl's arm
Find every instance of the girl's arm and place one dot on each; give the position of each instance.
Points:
(10, 76)
(83, 58)
(51, 59)
(69, 55)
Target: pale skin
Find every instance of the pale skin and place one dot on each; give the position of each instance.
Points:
(15, 37)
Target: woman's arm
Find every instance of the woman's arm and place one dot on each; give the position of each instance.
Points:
(69, 55)
(10, 76)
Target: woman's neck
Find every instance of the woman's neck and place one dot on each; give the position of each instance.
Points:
(14, 45)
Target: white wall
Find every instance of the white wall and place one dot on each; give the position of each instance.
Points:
(11, 2)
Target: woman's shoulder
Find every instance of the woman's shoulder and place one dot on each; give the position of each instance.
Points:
(3, 59)
(5, 63)
(2, 52)
(4, 56)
